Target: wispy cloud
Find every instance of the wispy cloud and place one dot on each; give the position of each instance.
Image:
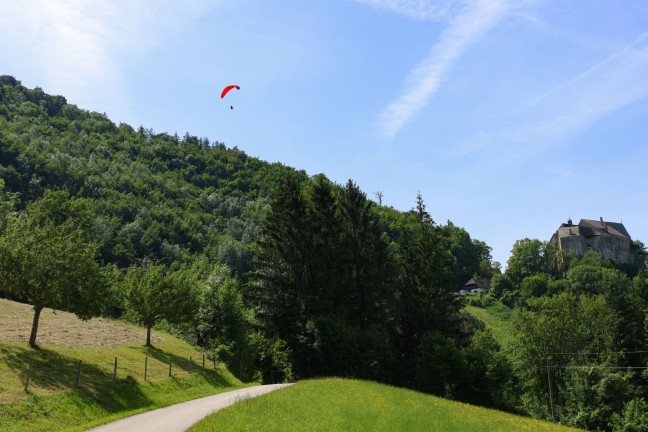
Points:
(468, 22)
(571, 107)
(75, 47)
(426, 10)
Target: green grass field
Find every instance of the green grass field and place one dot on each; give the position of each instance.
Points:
(349, 405)
(497, 317)
(52, 401)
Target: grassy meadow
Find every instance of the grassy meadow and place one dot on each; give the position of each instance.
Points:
(54, 403)
(498, 317)
(350, 405)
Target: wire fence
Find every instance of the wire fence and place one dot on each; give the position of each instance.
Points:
(48, 373)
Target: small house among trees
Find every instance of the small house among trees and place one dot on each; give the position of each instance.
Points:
(610, 239)
(475, 286)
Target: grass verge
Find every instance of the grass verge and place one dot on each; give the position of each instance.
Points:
(349, 405)
(54, 403)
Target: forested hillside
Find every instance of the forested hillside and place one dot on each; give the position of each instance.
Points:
(155, 196)
(282, 274)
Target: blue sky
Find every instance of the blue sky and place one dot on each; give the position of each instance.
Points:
(509, 116)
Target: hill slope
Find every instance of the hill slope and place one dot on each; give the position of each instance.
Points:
(53, 402)
(348, 405)
(156, 196)
(65, 329)
(498, 318)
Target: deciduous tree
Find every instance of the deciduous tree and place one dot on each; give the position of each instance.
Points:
(52, 263)
(154, 292)
(527, 258)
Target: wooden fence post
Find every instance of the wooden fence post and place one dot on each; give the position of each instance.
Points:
(551, 402)
(78, 377)
(115, 372)
(31, 364)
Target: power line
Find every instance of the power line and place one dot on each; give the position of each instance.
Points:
(558, 367)
(589, 367)
(593, 366)
(597, 353)
(549, 367)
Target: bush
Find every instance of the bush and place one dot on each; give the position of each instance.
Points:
(480, 300)
(633, 419)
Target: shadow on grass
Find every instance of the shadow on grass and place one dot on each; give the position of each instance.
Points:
(54, 371)
(51, 370)
(213, 377)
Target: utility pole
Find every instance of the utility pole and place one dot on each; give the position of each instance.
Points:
(551, 402)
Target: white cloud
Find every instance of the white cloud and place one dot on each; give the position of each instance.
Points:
(74, 47)
(571, 107)
(424, 79)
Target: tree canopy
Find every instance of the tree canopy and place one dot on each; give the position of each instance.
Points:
(48, 259)
(154, 292)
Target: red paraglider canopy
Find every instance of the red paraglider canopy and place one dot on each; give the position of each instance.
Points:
(228, 88)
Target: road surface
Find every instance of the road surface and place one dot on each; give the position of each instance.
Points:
(180, 417)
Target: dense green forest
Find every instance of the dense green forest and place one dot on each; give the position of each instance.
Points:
(286, 276)
(580, 335)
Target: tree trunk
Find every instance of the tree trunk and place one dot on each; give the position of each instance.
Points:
(32, 338)
(149, 324)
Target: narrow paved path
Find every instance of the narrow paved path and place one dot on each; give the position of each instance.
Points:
(180, 417)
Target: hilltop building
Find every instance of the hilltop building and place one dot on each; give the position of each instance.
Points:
(475, 286)
(609, 238)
